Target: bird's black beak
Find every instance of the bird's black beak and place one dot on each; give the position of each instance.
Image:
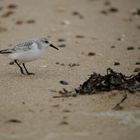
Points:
(51, 45)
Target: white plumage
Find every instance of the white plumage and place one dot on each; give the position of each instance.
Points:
(26, 52)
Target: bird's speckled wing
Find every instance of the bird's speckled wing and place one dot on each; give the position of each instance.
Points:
(22, 47)
(26, 46)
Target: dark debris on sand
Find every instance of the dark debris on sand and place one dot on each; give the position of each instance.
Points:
(116, 63)
(136, 12)
(12, 6)
(7, 14)
(19, 22)
(130, 48)
(91, 54)
(63, 82)
(110, 10)
(62, 45)
(14, 121)
(112, 80)
(30, 21)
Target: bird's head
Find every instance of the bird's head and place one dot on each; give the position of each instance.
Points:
(44, 41)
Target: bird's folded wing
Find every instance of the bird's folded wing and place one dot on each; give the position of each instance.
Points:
(23, 47)
(26, 46)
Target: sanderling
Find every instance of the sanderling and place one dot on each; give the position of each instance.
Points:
(26, 52)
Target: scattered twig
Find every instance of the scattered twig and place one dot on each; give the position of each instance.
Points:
(118, 105)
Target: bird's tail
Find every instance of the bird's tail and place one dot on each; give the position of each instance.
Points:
(6, 51)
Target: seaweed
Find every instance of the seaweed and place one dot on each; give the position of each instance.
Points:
(112, 80)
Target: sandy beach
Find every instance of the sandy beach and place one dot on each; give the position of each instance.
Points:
(91, 35)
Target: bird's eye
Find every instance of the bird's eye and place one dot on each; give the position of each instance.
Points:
(46, 41)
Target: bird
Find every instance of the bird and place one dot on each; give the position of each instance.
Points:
(26, 52)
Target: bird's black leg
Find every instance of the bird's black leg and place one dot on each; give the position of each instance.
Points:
(29, 73)
(21, 69)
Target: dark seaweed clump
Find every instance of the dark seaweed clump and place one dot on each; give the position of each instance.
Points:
(112, 80)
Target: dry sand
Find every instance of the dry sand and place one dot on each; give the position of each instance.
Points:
(30, 98)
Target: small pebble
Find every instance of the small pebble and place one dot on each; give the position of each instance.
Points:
(31, 21)
(64, 123)
(113, 46)
(116, 63)
(91, 54)
(73, 64)
(11, 63)
(12, 6)
(19, 22)
(13, 121)
(57, 63)
(23, 103)
(75, 13)
(130, 48)
(119, 39)
(113, 10)
(79, 36)
(61, 40)
(62, 45)
(7, 14)
(63, 82)
(137, 63)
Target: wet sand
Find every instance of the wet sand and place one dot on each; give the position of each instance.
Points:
(89, 29)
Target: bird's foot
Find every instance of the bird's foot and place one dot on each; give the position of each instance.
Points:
(30, 73)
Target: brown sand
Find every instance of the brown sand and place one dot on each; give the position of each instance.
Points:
(30, 98)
